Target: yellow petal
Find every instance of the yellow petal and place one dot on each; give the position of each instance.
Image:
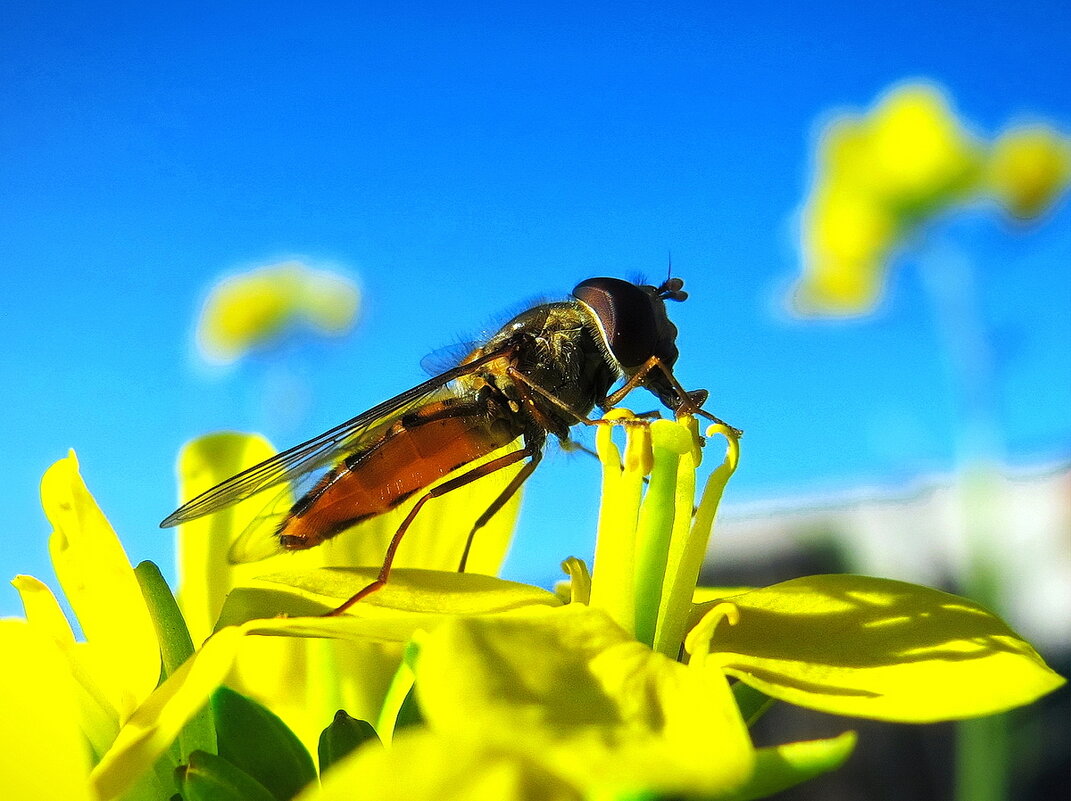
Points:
(410, 592)
(42, 754)
(847, 239)
(421, 766)
(101, 587)
(614, 567)
(98, 719)
(691, 538)
(669, 478)
(876, 648)
(43, 610)
(879, 176)
(308, 672)
(305, 682)
(329, 301)
(570, 690)
(205, 575)
(919, 155)
(247, 309)
(783, 766)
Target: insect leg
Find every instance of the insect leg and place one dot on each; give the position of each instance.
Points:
(511, 489)
(691, 402)
(447, 486)
(524, 381)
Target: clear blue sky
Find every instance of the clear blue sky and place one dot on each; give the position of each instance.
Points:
(461, 161)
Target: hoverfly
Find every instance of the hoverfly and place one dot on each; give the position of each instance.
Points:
(542, 373)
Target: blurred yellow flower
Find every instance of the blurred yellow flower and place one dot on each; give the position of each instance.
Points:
(881, 175)
(917, 156)
(255, 308)
(878, 175)
(847, 238)
(1029, 168)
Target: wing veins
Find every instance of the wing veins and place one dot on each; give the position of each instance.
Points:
(314, 453)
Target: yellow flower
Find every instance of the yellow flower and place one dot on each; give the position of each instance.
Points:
(877, 177)
(847, 239)
(254, 308)
(510, 691)
(1029, 168)
(917, 157)
(882, 175)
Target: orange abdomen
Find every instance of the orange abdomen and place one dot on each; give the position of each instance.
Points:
(416, 451)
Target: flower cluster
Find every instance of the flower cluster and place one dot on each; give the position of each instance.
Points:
(881, 175)
(627, 682)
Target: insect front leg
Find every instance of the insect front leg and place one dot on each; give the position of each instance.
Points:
(689, 402)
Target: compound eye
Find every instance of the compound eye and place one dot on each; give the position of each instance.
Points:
(626, 315)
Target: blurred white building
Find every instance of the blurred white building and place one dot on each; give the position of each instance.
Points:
(1021, 518)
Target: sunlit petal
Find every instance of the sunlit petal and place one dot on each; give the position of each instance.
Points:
(42, 753)
(440, 768)
(98, 718)
(783, 766)
(877, 648)
(205, 575)
(572, 691)
(101, 587)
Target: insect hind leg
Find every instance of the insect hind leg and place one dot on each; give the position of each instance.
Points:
(503, 498)
(530, 450)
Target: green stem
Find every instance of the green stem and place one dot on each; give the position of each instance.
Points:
(982, 746)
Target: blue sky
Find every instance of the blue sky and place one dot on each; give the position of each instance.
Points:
(461, 161)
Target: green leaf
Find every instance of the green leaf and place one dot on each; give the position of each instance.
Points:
(876, 648)
(409, 714)
(255, 740)
(176, 646)
(208, 777)
(785, 766)
(344, 735)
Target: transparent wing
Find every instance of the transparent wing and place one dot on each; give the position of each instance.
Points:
(328, 448)
(447, 357)
(260, 538)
